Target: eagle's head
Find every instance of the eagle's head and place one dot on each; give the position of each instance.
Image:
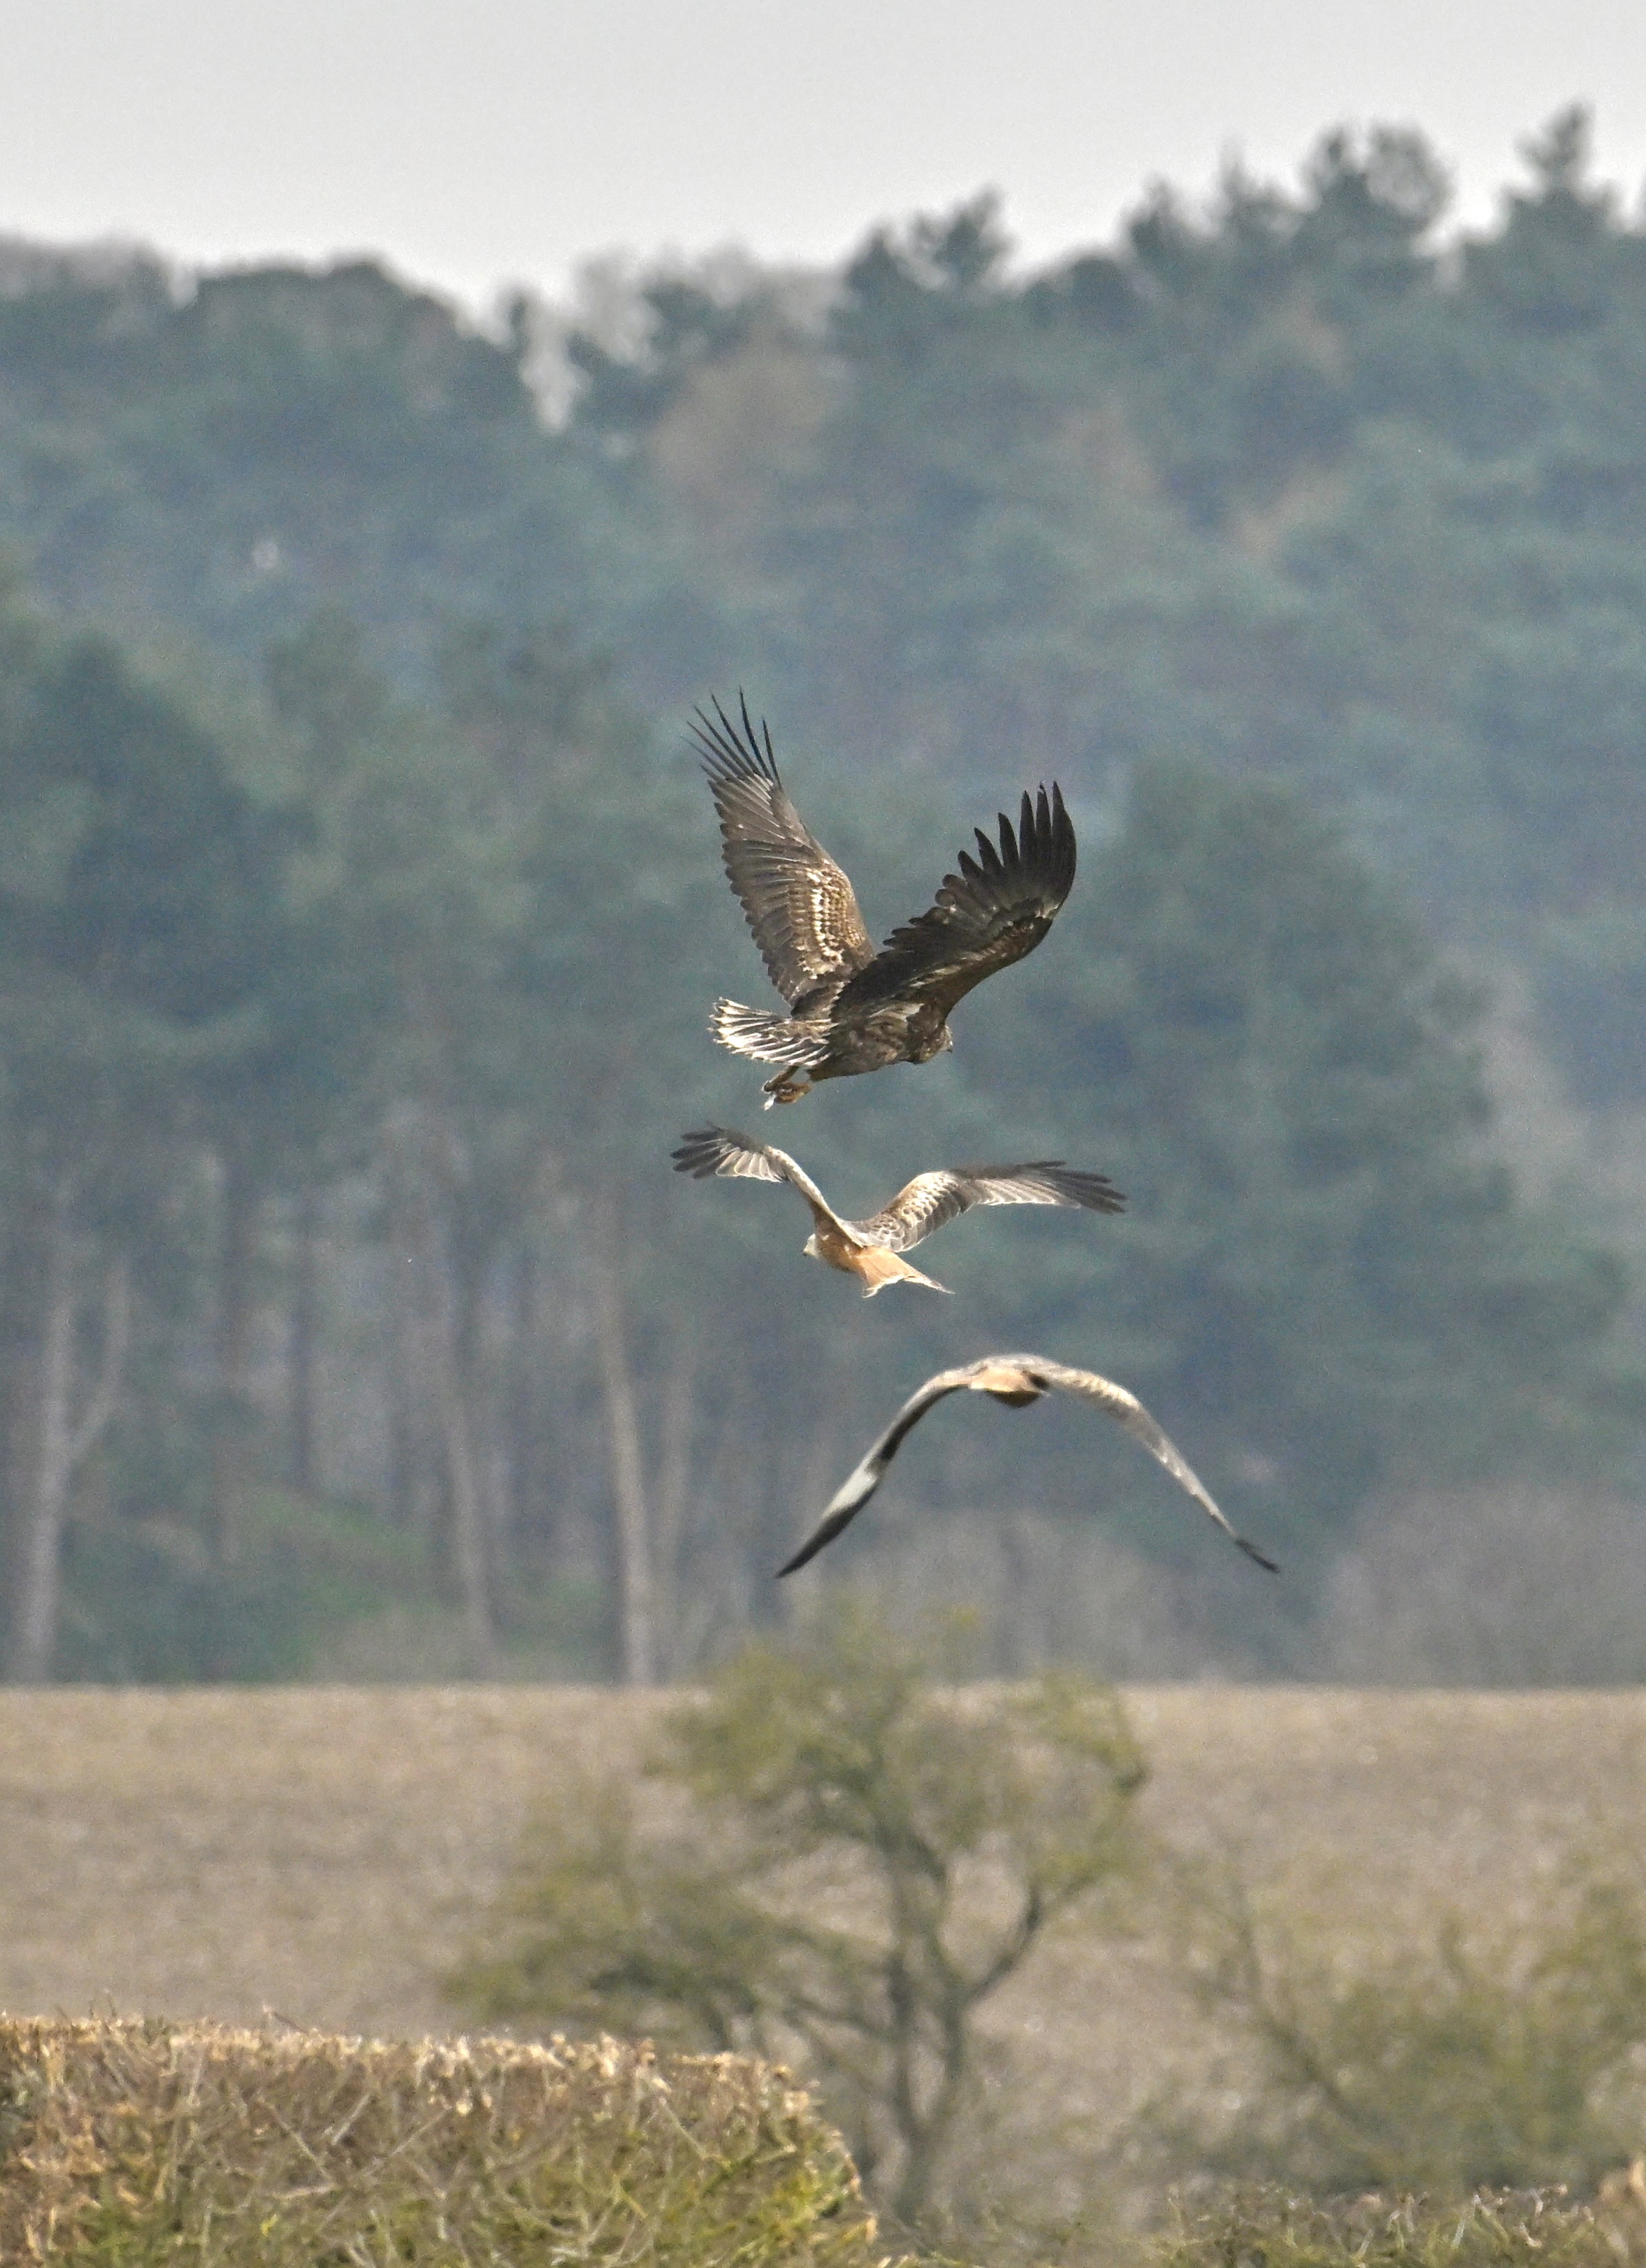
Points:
(928, 1036)
(810, 1247)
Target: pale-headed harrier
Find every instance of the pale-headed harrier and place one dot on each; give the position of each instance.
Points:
(851, 1008)
(871, 1249)
(1015, 1380)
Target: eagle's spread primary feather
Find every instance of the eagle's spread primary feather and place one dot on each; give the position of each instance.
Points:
(852, 1009)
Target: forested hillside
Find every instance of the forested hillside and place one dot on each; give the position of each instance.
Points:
(360, 912)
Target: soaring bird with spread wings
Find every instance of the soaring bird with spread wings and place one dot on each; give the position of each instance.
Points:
(872, 1250)
(1016, 1380)
(851, 1008)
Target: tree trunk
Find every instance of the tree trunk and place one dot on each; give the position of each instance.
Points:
(418, 1151)
(236, 1251)
(62, 1442)
(674, 1484)
(305, 1323)
(525, 1392)
(636, 1600)
(468, 1519)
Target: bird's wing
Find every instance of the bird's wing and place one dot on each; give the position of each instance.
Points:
(931, 1199)
(996, 909)
(797, 901)
(1015, 1379)
(854, 1491)
(1129, 1411)
(720, 1149)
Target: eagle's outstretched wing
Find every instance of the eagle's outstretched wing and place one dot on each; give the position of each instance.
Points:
(1015, 1379)
(931, 1199)
(797, 901)
(996, 909)
(720, 1149)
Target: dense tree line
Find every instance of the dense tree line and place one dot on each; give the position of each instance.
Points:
(360, 911)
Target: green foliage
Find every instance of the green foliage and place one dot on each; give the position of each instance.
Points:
(147, 1602)
(1296, 1110)
(864, 1860)
(1498, 2055)
(1265, 496)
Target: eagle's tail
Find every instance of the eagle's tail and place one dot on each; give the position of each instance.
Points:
(767, 1038)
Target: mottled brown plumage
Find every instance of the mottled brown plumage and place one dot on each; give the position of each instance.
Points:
(1015, 1380)
(869, 1250)
(852, 1009)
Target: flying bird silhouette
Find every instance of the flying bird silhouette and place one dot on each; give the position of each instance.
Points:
(872, 1250)
(1015, 1380)
(853, 1009)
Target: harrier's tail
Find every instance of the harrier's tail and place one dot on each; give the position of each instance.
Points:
(767, 1037)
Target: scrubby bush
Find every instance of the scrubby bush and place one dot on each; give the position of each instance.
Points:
(856, 1860)
(1499, 2053)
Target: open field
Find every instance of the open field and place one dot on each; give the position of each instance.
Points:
(318, 1854)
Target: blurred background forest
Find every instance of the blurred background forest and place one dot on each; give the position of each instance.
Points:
(361, 910)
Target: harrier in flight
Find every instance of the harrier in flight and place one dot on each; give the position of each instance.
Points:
(872, 1249)
(1015, 1380)
(850, 1008)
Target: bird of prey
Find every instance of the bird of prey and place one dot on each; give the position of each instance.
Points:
(851, 1008)
(1015, 1380)
(872, 1250)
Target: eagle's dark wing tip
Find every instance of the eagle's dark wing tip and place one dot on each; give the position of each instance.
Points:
(731, 751)
(1252, 1552)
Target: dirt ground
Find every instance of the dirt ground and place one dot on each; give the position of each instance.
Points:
(317, 1855)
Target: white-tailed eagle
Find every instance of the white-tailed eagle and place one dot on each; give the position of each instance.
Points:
(851, 1008)
(1015, 1380)
(872, 1250)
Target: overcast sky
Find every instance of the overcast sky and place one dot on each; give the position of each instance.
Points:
(507, 141)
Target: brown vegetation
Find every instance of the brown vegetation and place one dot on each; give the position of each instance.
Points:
(325, 1854)
(147, 2142)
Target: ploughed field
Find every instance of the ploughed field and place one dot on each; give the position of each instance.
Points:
(318, 1854)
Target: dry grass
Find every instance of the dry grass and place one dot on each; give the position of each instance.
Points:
(1270, 2229)
(143, 2143)
(322, 1853)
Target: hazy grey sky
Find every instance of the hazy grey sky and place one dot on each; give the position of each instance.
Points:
(507, 140)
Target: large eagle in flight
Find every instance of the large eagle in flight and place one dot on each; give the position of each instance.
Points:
(1016, 1380)
(872, 1250)
(851, 1008)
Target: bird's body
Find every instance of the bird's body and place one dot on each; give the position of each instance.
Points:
(1015, 1380)
(851, 1008)
(872, 1250)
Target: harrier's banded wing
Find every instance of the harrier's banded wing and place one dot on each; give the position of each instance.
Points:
(854, 1491)
(1015, 1379)
(1129, 1411)
(797, 901)
(932, 1199)
(720, 1149)
(996, 909)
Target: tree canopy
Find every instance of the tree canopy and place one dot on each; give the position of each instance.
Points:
(360, 912)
